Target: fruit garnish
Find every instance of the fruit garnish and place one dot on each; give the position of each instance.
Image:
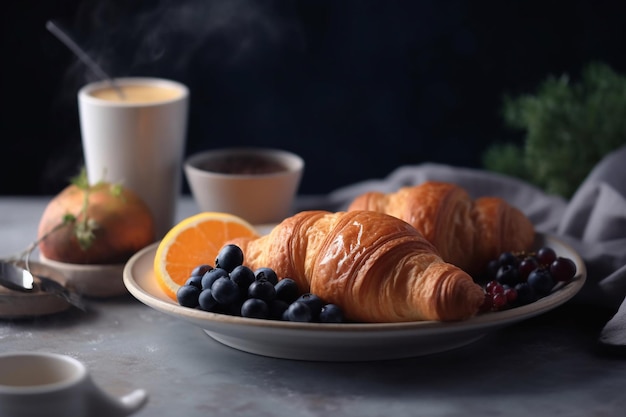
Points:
(103, 223)
(232, 288)
(515, 279)
(194, 241)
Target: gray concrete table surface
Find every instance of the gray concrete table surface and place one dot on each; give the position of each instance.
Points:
(546, 366)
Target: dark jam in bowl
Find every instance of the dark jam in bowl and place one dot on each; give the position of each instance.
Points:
(244, 165)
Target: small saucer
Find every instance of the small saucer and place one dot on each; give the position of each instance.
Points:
(98, 281)
(17, 304)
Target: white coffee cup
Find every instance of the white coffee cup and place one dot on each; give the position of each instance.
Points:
(137, 141)
(52, 385)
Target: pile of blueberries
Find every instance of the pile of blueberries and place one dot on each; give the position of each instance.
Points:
(515, 279)
(232, 288)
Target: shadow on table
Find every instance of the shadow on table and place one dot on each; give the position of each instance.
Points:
(535, 356)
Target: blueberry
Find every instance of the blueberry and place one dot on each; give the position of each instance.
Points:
(492, 270)
(232, 309)
(255, 308)
(211, 276)
(243, 277)
(314, 303)
(541, 281)
(225, 291)
(201, 270)
(525, 294)
(298, 311)
(277, 309)
(187, 296)
(266, 273)
(507, 258)
(287, 290)
(195, 280)
(206, 300)
(508, 275)
(229, 257)
(262, 289)
(331, 313)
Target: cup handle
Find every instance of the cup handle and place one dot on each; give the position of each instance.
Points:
(104, 405)
(134, 400)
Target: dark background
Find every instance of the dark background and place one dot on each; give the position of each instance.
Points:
(357, 88)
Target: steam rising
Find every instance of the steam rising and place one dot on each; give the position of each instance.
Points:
(172, 34)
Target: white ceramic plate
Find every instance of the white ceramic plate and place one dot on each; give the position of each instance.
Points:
(341, 342)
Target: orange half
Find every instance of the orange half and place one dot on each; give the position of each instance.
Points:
(194, 241)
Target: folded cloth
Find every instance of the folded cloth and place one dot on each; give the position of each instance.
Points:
(593, 221)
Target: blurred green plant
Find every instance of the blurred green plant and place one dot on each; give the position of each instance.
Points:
(568, 129)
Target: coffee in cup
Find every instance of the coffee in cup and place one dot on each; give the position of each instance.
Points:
(137, 93)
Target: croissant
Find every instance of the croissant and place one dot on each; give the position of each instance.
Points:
(376, 267)
(467, 233)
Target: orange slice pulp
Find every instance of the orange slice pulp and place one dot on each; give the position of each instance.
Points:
(194, 241)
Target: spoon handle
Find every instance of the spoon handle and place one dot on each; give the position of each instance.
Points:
(51, 286)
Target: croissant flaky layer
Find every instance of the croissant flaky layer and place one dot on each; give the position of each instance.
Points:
(466, 232)
(376, 267)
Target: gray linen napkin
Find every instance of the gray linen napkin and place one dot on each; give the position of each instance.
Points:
(593, 221)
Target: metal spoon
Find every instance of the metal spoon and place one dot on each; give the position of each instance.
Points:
(16, 278)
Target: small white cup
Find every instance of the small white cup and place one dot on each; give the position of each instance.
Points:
(138, 141)
(221, 181)
(54, 385)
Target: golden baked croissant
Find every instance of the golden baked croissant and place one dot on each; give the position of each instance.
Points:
(467, 233)
(376, 267)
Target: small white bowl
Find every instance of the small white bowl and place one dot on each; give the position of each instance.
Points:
(256, 184)
(97, 281)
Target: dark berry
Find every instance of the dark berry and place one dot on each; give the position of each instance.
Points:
(187, 296)
(507, 258)
(201, 270)
(508, 275)
(511, 295)
(267, 274)
(541, 281)
(211, 276)
(546, 255)
(195, 280)
(499, 300)
(225, 291)
(526, 266)
(232, 309)
(487, 303)
(494, 287)
(262, 289)
(331, 313)
(492, 270)
(298, 311)
(277, 309)
(229, 257)
(243, 277)
(525, 293)
(287, 290)
(255, 308)
(206, 300)
(563, 269)
(313, 301)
